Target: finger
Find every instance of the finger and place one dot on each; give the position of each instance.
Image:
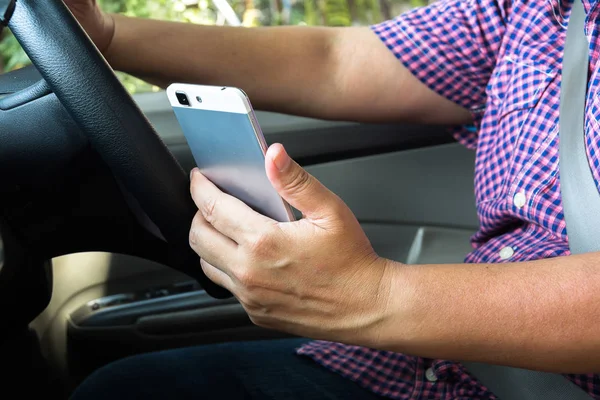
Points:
(211, 244)
(217, 276)
(227, 214)
(300, 189)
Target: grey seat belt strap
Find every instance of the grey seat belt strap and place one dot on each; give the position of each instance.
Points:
(581, 202)
(580, 197)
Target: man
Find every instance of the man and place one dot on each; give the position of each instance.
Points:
(494, 63)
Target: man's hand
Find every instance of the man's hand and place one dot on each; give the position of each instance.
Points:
(318, 277)
(98, 25)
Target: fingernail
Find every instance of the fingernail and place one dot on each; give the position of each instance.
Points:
(281, 159)
(192, 173)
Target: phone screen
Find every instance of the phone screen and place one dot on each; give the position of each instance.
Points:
(227, 150)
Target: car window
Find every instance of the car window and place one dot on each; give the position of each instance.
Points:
(246, 13)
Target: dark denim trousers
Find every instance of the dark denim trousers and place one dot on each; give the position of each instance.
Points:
(246, 370)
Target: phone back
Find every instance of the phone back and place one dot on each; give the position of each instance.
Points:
(228, 147)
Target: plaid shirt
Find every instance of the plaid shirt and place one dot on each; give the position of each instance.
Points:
(501, 59)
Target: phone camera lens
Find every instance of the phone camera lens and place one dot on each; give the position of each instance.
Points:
(182, 98)
(199, 99)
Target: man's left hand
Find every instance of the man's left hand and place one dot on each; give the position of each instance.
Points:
(318, 277)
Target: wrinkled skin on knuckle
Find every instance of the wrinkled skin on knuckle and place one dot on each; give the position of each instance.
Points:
(245, 301)
(249, 301)
(301, 182)
(208, 208)
(246, 278)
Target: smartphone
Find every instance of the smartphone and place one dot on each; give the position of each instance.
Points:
(227, 144)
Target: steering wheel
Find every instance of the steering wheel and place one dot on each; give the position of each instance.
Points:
(76, 132)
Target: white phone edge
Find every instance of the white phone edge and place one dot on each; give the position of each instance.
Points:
(214, 98)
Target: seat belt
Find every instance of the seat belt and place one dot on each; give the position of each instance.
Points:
(581, 203)
(580, 197)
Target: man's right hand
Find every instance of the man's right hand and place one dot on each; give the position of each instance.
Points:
(98, 25)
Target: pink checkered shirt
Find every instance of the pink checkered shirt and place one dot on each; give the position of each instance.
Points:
(501, 59)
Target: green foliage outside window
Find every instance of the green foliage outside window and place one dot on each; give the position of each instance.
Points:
(221, 12)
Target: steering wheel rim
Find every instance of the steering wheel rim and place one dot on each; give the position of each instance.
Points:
(116, 128)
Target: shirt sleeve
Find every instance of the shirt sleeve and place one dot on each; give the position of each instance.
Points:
(452, 47)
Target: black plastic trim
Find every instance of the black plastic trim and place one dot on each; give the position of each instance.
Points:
(129, 314)
(207, 319)
(335, 141)
(338, 141)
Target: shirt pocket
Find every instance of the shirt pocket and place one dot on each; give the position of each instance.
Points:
(519, 115)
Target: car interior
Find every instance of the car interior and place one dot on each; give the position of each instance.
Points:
(94, 259)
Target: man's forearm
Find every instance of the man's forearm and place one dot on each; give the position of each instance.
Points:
(330, 73)
(277, 67)
(541, 315)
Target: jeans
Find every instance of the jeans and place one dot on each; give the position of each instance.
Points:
(246, 370)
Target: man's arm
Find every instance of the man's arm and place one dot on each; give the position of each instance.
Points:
(345, 74)
(542, 315)
(320, 278)
(331, 73)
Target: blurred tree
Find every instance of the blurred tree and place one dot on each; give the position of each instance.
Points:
(365, 12)
(335, 12)
(252, 15)
(386, 9)
(13, 56)
(250, 12)
(311, 16)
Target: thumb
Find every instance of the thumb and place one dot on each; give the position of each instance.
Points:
(300, 189)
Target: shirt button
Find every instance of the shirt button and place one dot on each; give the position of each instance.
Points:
(506, 253)
(430, 375)
(519, 200)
